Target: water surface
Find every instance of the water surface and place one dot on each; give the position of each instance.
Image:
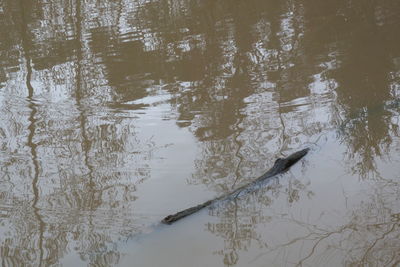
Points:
(115, 114)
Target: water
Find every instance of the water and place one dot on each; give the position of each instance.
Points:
(115, 114)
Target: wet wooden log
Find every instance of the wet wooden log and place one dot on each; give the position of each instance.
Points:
(280, 166)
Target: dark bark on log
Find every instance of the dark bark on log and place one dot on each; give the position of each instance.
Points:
(280, 166)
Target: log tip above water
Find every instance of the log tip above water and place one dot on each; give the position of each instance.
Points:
(298, 155)
(286, 163)
(168, 220)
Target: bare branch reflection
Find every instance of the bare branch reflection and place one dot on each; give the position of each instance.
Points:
(241, 218)
(368, 236)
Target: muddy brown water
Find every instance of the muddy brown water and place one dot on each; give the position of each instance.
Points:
(115, 114)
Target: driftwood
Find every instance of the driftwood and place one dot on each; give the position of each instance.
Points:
(280, 166)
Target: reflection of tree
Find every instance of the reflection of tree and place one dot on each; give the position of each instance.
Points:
(259, 49)
(241, 78)
(8, 51)
(369, 236)
(364, 66)
(293, 56)
(75, 205)
(32, 128)
(240, 217)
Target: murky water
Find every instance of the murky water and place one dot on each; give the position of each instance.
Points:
(115, 114)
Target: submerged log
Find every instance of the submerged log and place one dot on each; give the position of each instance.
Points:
(280, 166)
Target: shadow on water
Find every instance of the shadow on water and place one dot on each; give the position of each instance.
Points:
(81, 84)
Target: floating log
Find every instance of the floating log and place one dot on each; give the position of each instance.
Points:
(280, 166)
